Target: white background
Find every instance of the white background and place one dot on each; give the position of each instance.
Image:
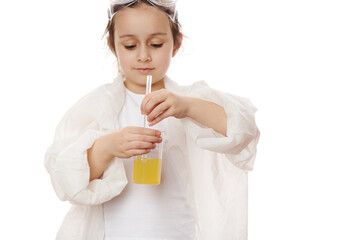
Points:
(297, 61)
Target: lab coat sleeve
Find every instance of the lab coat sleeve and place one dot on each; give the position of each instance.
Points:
(239, 146)
(66, 160)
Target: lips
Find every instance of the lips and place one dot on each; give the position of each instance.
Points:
(144, 70)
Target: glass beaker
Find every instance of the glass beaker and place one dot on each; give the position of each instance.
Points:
(147, 168)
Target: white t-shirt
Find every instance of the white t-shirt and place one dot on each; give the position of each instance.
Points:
(148, 212)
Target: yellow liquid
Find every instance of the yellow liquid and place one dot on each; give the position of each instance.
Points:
(147, 170)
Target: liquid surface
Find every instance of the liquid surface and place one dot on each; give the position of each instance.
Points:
(147, 170)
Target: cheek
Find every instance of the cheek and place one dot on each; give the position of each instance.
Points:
(123, 59)
(163, 63)
(165, 57)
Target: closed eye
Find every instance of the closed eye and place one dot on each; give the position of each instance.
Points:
(130, 47)
(157, 45)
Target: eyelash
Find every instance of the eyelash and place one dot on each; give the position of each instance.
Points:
(157, 45)
(131, 47)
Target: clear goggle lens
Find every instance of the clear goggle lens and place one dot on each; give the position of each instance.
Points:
(167, 6)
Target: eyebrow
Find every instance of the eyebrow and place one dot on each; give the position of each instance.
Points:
(152, 35)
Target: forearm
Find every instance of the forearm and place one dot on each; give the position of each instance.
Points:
(98, 158)
(208, 114)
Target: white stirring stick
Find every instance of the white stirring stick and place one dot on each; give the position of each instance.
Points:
(148, 89)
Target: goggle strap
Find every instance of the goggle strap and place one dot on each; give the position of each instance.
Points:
(171, 7)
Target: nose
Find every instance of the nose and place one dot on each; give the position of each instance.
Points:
(144, 55)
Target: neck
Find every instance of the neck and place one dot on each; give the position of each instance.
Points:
(141, 88)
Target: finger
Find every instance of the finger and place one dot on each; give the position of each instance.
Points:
(141, 134)
(160, 117)
(153, 102)
(149, 96)
(141, 145)
(135, 152)
(144, 102)
(144, 131)
(146, 138)
(157, 111)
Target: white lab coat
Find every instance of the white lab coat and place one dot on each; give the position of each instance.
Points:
(213, 168)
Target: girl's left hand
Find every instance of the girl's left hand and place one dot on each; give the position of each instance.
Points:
(161, 104)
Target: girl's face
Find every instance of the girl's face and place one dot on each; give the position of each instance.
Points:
(143, 46)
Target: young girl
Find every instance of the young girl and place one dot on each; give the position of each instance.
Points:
(209, 143)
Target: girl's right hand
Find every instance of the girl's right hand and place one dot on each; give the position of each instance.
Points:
(132, 141)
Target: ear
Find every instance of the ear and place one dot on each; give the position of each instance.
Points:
(177, 45)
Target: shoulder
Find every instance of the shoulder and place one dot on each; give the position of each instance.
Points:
(99, 97)
(185, 89)
(96, 107)
(90, 100)
(200, 89)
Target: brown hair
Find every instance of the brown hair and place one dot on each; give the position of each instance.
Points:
(174, 26)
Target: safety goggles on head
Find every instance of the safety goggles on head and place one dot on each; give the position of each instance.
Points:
(167, 6)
